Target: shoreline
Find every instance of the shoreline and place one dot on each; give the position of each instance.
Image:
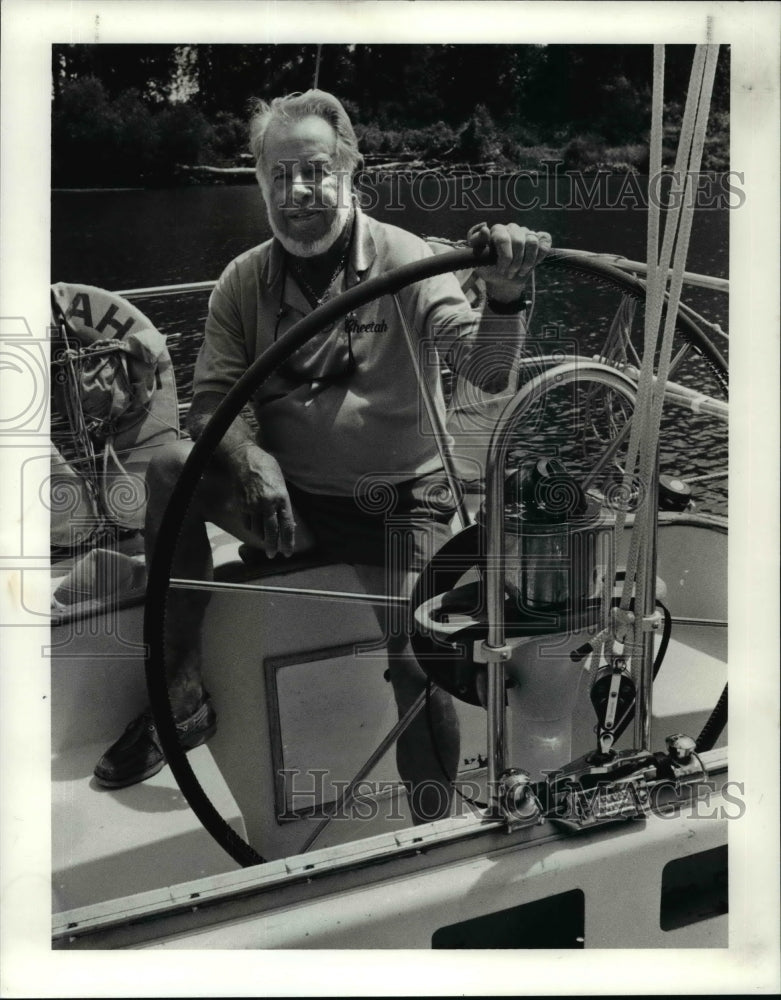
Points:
(417, 170)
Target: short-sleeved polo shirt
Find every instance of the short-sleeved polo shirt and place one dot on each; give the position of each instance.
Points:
(332, 438)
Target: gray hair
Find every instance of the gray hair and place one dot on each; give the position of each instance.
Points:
(293, 107)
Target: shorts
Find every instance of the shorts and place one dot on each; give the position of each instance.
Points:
(396, 524)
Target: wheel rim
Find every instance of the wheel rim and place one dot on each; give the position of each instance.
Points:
(161, 564)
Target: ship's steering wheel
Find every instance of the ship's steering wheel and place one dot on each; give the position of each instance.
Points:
(162, 559)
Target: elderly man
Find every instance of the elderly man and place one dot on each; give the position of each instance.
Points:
(341, 417)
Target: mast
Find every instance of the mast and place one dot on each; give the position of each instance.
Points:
(317, 67)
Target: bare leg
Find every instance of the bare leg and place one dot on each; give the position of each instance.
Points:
(214, 502)
(418, 758)
(137, 754)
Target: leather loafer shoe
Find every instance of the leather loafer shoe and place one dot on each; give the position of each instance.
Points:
(137, 753)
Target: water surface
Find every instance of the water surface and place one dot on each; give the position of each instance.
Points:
(137, 238)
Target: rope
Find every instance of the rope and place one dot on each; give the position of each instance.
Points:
(75, 419)
(654, 297)
(707, 476)
(656, 281)
(652, 420)
(618, 344)
(437, 425)
(642, 452)
(655, 170)
(715, 327)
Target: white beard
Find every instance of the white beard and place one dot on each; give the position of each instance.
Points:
(312, 248)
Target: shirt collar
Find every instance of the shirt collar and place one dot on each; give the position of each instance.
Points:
(364, 249)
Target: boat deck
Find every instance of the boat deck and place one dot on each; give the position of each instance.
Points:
(290, 693)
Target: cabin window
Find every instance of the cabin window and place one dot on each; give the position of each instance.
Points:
(553, 922)
(694, 888)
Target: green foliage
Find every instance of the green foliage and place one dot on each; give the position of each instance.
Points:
(432, 141)
(626, 110)
(149, 70)
(229, 138)
(97, 140)
(369, 138)
(88, 139)
(183, 136)
(588, 152)
(716, 152)
(436, 140)
(479, 140)
(582, 151)
(129, 114)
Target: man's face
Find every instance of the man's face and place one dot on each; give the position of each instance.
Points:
(307, 197)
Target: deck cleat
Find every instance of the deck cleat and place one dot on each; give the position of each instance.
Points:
(517, 799)
(683, 764)
(680, 748)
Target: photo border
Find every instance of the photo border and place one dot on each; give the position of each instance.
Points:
(751, 963)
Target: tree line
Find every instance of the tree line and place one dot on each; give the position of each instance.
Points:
(130, 114)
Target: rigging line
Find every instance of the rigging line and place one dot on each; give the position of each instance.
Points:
(346, 798)
(643, 550)
(649, 460)
(655, 169)
(618, 260)
(676, 283)
(622, 324)
(147, 410)
(654, 301)
(614, 351)
(682, 160)
(715, 327)
(685, 351)
(609, 453)
(719, 474)
(679, 358)
(690, 277)
(658, 270)
(453, 782)
(438, 427)
(74, 412)
(655, 277)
